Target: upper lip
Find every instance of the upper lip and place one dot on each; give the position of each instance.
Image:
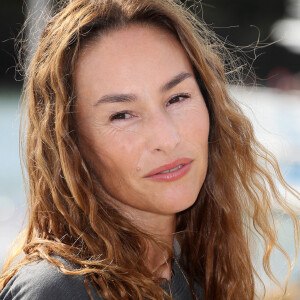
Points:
(172, 165)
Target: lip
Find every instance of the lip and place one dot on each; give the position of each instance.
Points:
(181, 161)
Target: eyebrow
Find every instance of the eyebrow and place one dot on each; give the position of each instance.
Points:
(117, 98)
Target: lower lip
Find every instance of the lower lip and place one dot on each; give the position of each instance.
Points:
(171, 176)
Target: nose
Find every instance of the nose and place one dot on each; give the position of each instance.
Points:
(162, 133)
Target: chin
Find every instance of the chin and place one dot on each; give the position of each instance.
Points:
(179, 204)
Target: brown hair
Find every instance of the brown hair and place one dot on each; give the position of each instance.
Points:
(70, 213)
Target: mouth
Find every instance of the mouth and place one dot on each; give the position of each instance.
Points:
(171, 171)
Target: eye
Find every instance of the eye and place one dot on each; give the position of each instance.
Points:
(178, 98)
(122, 115)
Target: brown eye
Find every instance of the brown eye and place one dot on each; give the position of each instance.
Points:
(178, 98)
(120, 116)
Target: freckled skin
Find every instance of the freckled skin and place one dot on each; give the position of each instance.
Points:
(139, 60)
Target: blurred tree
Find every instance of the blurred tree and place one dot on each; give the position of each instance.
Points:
(246, 23)
(243, 14)
(242, 22)
(11, 20)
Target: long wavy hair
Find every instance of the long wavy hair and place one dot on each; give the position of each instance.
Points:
(70, 214)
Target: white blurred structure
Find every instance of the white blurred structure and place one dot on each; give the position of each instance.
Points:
(287, 30)
(275, 115)
(38, 13)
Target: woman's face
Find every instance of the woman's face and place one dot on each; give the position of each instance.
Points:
(139, 107)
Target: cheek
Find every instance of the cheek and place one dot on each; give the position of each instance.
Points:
(117, 153)
(194, 125)
(116, 164)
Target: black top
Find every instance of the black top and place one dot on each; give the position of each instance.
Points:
(42, 280)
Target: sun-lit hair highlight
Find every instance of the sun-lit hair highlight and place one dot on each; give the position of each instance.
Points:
(70, 213)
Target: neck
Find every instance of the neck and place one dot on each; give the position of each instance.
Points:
(162, 227)
(158, 257)
(158, 260)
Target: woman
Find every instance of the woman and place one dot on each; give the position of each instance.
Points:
(143, 174)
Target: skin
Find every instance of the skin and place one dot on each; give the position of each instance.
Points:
(139, 60)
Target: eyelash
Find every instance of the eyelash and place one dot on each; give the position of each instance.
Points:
(122, 113)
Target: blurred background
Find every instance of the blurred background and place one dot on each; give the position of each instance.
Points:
(267, 32)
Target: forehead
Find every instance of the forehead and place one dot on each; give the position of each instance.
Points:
(138, 53)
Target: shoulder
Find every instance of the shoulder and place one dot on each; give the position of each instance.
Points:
(42, 280)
